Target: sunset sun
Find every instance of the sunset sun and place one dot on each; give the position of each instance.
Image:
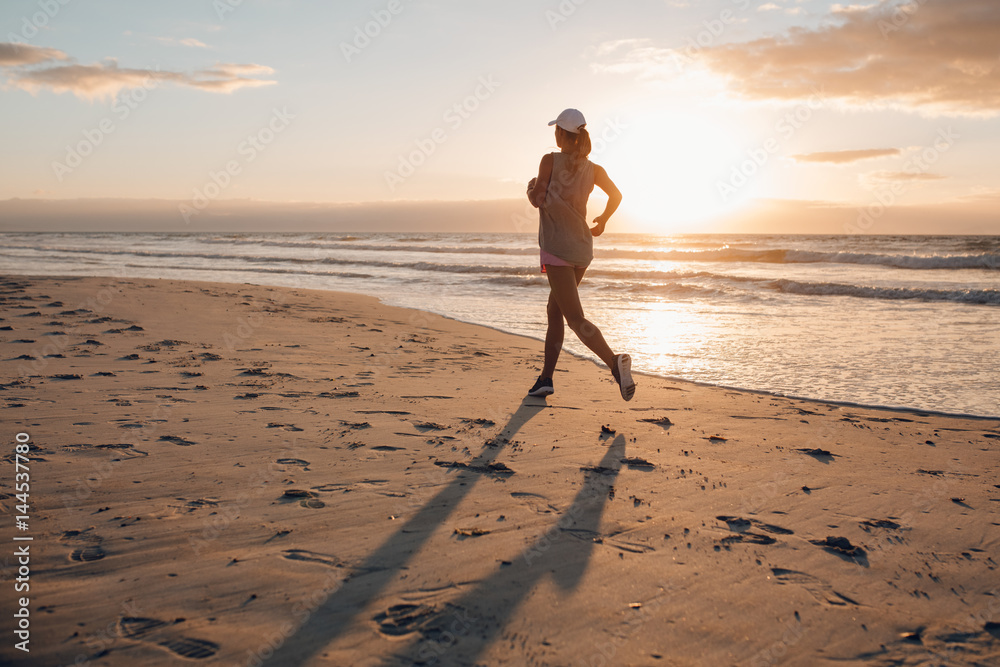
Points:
(668, 165)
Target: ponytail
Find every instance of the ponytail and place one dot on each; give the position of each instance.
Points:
(583, 146)
(580, 149)
(577, 151)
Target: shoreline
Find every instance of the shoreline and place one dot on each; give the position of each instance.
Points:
(247, 474)
(585, 357)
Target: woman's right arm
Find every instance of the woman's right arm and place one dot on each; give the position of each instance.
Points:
(605, 183)
(536, 195)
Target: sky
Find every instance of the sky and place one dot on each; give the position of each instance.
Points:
(711, 115)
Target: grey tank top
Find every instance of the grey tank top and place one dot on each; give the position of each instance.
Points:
(562, 220)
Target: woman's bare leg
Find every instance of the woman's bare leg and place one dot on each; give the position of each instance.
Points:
(565, 298)
(553, 337)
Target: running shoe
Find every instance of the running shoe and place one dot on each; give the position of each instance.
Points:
(623, 374)
(542, 387)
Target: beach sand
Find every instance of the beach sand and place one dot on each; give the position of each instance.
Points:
(238, 474)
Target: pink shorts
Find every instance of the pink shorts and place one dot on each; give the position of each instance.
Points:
(551, 260)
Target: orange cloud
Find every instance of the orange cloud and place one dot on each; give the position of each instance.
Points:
(170, 41)
(15, 55)
(936, 58)
(876, 177)
(845, 157)
(107, 79)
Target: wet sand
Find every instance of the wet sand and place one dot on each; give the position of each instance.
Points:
(236, 474)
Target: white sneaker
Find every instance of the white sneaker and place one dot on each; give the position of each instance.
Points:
(623, 366)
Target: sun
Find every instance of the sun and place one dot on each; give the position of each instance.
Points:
(668, 166)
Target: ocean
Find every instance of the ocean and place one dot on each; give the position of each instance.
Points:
(894, 321)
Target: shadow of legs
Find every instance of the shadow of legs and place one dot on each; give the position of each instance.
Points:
(337, 612)
(460, 633)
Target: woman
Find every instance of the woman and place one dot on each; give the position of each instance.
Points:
(560, 192)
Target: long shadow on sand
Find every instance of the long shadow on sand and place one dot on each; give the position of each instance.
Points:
(337, 613)
(458, 634)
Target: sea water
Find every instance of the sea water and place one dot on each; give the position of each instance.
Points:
(899, 321)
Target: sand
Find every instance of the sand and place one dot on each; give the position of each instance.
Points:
(232, 474)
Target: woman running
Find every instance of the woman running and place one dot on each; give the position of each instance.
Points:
(560, 192)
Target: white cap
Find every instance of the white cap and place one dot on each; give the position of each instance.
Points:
(570, 120)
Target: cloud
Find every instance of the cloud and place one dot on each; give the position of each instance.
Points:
(16, 55)
(107, 79)
(983, 194)
(876, 178)
(849, 9)
(634, 56)
(227, 77)
(845, 157)
(187, 41)
(935, 58)
(86, 81)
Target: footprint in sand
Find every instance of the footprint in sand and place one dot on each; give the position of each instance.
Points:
(842, 547)
(402, 619)
(429, 426)
(193, 505)
(159, 633)
(741, 528)
(306, 499)
(287, 427)
(292, 462)
(338, 394)
(177, 440)
(127, 450)
(312, 557)
(88, 545)
(818, 588)
(637, 463)
(739, 525)
(537, 503)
